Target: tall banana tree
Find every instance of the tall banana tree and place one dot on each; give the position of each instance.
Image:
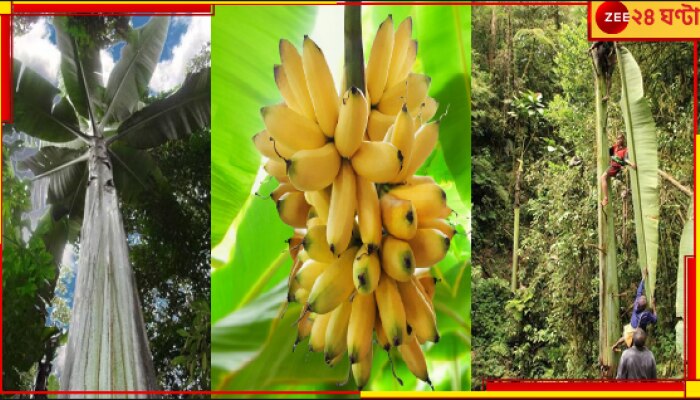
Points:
(641, 141)
(609, 323)
(96, 139)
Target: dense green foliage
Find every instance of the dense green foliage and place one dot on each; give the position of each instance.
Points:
(549, 326)
(28, 276)
(168, 230)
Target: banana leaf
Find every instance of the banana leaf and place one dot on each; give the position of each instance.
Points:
(174, 117)
(81, 69)
(684, 249)
(128, 82)
(641, 141)
(245, 52)
(37, 113)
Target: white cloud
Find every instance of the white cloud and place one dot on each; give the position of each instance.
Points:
(107, 65)
(36, 51)
(171, 72)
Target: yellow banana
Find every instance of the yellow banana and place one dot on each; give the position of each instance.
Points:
(440, 224)
(419, 311)
(314, 220)
(269, 148)
(397, 259)
(398, 216)
(341, 213)
(360, 327)
(281, 189)
(303, 329)
(321, 87)
(292, 129)
(301, 295)
(286, 90)
(317, 338)
(321, 200)
(411, 91)
(337, 332)
(419, 180)
(294, 70)
(293, 209)
(427, 111)
(410, 59)
(366, 269)
(378, 125)
(316, 246)
(429, 199)
(309, 271)
(361, 370)
(369, 216)
(424, 143)
(379, 59)
(391, 310)
(334, 285)
(402, 39)
(303, 256)
(427, 284)
(352, 122)
(429, 247)
(414, 358)
(276, 169)
(377, 161)
(315, 169)
(382, 340)
(402, 135)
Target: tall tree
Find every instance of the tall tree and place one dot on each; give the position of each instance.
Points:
(108, 131)
(609, 327)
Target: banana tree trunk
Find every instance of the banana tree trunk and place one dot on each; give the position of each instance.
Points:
(107, 343)
(516, 227)
(609, 324)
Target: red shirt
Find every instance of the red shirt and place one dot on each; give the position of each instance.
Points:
(618, 154)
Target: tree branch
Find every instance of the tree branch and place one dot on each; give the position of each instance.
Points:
(675, 183)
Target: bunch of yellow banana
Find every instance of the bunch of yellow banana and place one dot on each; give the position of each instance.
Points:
(363, 221)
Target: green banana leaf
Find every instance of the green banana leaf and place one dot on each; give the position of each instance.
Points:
(34, 108)
(641, 141)
(174, 117)
(66, 186)
(134, 171)
(685, 248)
(245, 43)
(129, 79)
(81, 69)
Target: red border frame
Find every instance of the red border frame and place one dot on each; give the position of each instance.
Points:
(491, 385)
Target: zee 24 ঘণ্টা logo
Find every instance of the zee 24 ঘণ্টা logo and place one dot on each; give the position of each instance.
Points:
(612, 17)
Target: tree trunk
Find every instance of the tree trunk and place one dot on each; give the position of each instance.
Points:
(609, 324)
(107, 343)
(516, 227)
(493, 38)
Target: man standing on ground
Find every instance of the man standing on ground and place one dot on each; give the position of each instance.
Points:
(637, 362)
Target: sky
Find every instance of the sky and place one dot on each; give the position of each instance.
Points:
(186, 36)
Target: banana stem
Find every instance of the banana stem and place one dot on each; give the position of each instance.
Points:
(354, 56)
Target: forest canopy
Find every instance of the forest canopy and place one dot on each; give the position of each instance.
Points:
(534, 124)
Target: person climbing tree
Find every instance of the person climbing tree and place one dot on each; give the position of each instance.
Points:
(641, 316)
(603, 54)
(619, 157)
